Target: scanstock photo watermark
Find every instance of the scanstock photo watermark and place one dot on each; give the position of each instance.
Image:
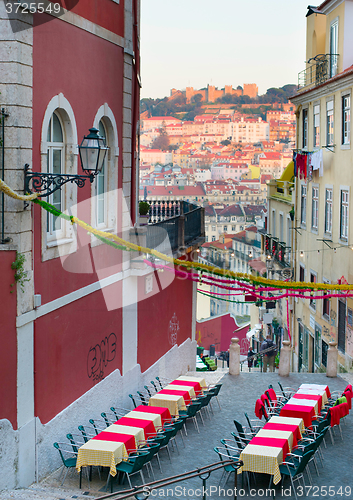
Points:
(283, 492)
(20, 13)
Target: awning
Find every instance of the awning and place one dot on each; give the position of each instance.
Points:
(253, 331)
(288, 173)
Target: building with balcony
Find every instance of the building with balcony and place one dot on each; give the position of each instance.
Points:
(323, 205)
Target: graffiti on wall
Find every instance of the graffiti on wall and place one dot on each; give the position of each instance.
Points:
(99, 356)
(173, 330)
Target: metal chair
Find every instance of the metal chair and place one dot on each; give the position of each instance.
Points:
(69, 462)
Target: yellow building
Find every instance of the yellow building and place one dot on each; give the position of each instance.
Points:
(323, 236)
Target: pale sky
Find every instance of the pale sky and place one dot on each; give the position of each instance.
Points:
(224, 42)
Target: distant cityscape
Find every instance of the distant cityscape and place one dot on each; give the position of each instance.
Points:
(222, 159)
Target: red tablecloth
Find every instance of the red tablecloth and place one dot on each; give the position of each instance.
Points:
(328, 391)
(185, 394)
(163, 412)
(267, 441)
(146, 425)
(315, 397)
(127, 439)
(307, 413)
(286, 427)
(195, 385)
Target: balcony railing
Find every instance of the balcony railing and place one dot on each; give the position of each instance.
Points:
(282, 190)
(277, 250)
(320, 68)
(183, 222)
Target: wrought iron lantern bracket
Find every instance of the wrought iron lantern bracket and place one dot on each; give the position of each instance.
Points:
(46, 184)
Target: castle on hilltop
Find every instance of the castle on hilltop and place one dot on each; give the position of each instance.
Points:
(212, 93)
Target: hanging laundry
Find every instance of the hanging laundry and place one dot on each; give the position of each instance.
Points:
(317, 162)
(302, 166)
(295, 163)
(309, 167)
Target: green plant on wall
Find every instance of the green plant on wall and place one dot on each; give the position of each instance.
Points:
(144, 208)
(20, 274)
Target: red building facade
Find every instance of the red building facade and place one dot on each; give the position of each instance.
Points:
(83, 332)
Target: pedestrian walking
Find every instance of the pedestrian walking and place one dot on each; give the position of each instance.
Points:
(250, 357)
(269, 356)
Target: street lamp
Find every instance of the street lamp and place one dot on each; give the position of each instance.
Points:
(92, 152)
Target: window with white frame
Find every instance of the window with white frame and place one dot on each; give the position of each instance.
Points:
(55, 165)
(333, 48)
(305, 128)
(101, 185)
(280, 227)
(329, 123)
(326, 303)
(273, 225)
(303, 204)
(328, 210)
(317, 125)
(315, 208)
(313, 279)
(344, 205)
(346, 119)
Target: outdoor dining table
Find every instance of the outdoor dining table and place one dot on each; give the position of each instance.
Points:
(176, 387)
(159, 410)
(176, 392)
(307, 413)
(267, 450)
(173, 402)
(186, 378)
(188, 383)
(155, 418)
(317, 392)
(147, 425)
(308, 396)
(305, 402)
(316, 386)
(102, 453)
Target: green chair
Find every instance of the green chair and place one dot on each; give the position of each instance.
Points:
(87, 432)
(109, 418)
(225, 454)
(133, 400)
(214, 390)
(190, 412)
(68, 462)
(133, 464)
(178, 423)
(119, 412)
(99, 425)
(254, 425)
(174, 430)
(296, 471)
(238, 441)
(246, 437)
(152, 450)
(163, 438)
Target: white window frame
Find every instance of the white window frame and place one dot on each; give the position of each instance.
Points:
(55, 226)
(316, 125)
(333, 48)
(346, 120)
(312, 302)
(64, 242)
(344, 214)
(111, 197)
(328, 209)
(315, 208)
(326, 317)
(303, 203)
(305, 119)
(330, 122)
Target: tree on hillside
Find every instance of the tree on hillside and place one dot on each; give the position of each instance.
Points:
(161, 141)
(196, 99)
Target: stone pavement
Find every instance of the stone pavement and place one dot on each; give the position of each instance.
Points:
(238, 395)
